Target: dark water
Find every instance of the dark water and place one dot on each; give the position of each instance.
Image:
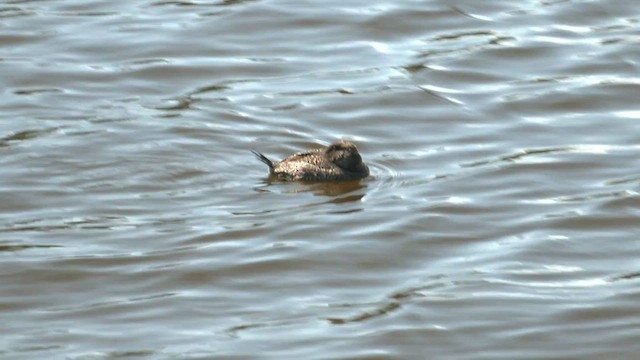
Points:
(501, 221)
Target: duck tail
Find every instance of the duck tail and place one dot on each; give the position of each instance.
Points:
(264, 159)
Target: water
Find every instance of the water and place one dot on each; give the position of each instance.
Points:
(501, 220)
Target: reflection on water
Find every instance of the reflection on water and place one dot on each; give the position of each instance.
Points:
(333, 189)
(498, 221)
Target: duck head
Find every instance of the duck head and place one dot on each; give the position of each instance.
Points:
(345, 155)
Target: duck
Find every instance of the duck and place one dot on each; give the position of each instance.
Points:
(339, 161)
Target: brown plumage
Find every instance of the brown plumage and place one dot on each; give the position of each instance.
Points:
(339, 161)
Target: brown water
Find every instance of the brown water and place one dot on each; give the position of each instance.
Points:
(501, 221)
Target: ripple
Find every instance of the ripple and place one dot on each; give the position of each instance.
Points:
(590, 197)
(36, 91)
(24, 135)
(382, 171)
(626, 276)
(580, 283)
(381, 310)
(630, 114)
(20, 247)
(524, 154)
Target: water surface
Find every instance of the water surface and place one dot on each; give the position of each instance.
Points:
(500, 221)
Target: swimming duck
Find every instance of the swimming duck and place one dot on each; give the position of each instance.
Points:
(339, 161)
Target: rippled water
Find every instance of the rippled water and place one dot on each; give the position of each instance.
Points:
(501, 220)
